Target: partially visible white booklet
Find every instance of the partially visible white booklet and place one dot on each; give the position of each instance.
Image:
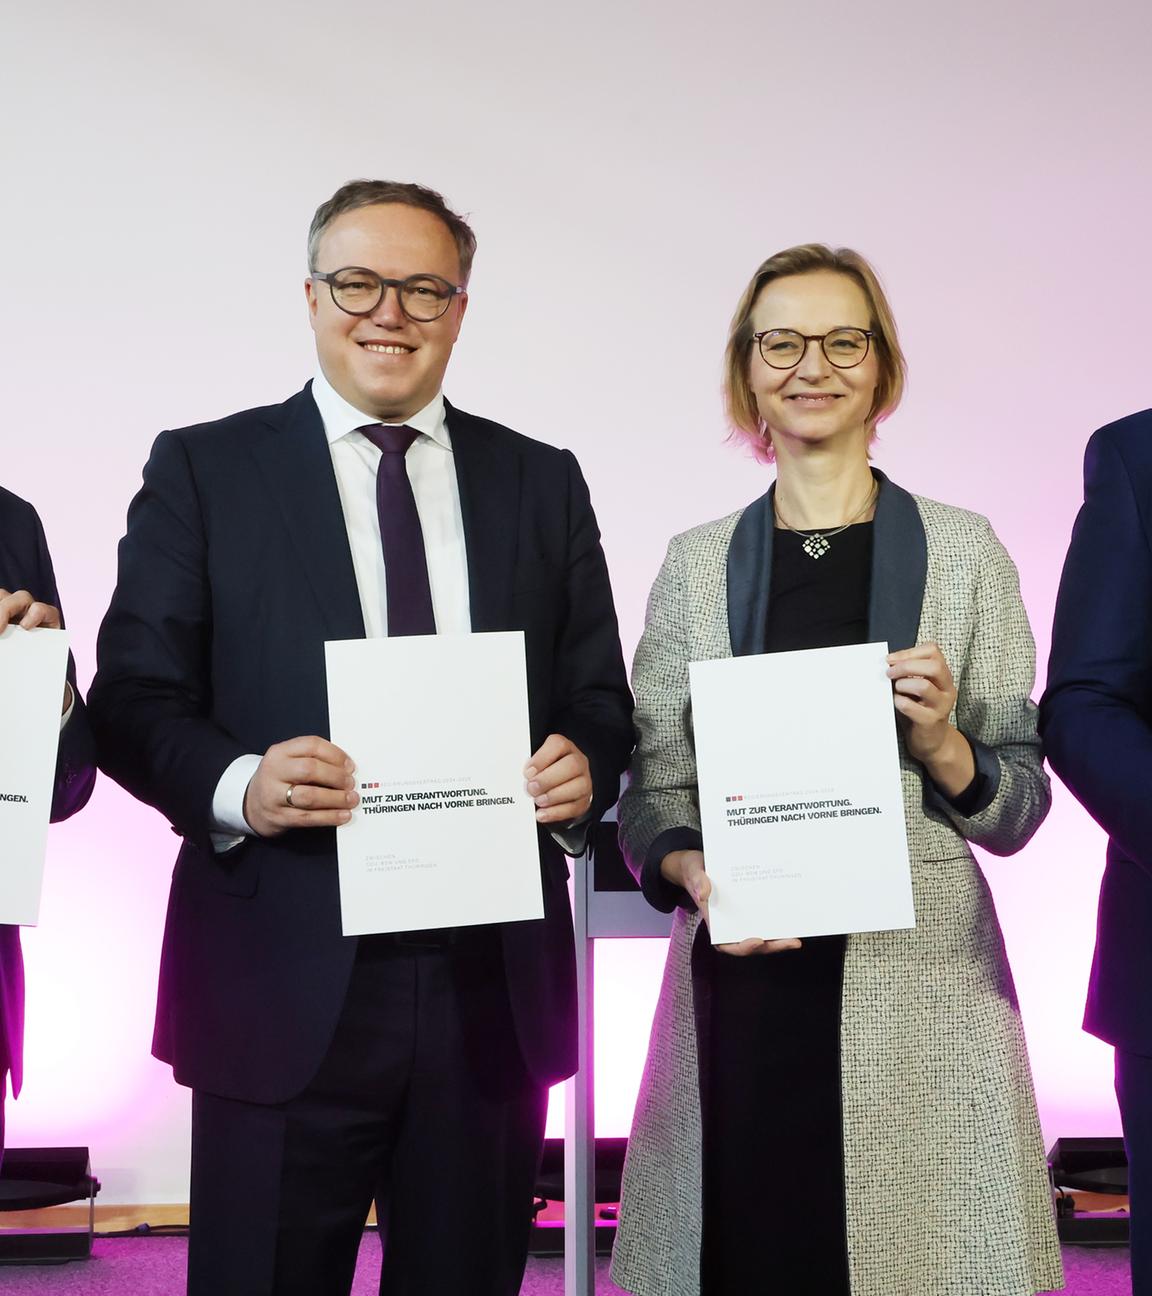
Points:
(801, 807)
(445, 832)
(33, 668)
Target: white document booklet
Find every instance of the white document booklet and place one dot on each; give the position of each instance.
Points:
(800, 801)
(445, 832)
(33, 667)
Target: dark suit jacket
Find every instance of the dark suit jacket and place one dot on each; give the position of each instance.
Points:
(1096, 715)
(234, 571)
(25, 564)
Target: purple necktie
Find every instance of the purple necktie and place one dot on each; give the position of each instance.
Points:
(405, 563)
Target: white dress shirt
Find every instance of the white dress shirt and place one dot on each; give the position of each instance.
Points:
(432, 472)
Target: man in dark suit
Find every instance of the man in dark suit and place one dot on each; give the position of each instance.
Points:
(328, 1070)
(28, 598)
(1096, 722)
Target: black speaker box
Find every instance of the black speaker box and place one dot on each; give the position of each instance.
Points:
(35, 1178)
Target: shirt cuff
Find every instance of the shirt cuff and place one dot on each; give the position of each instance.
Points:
(71, 707)
(658, 891)
(572, 838)
(229, 827)
(981, 792)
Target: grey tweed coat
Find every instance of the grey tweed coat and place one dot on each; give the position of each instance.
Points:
(945, 1177)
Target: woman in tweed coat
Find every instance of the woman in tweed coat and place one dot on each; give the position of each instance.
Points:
(939, 1186)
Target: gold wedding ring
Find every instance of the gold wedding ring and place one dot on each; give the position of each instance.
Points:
(288, 796)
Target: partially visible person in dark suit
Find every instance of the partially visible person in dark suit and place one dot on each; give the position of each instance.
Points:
(329, 1070)
(1096, 723)
(28, 598)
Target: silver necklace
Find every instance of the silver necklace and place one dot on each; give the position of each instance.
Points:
(816, 542)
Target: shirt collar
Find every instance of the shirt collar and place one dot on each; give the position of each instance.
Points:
(340, 418)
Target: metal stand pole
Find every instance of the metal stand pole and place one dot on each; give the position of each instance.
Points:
(580, 1122)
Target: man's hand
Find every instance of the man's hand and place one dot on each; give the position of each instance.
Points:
(20, 608)
(685, 868)
(559, 781)
(301, 783)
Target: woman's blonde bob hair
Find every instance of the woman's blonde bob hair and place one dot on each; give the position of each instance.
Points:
(747, 425)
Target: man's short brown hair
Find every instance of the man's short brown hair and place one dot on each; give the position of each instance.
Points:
(371, 193)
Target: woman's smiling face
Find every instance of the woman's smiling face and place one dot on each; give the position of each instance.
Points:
(814, 403)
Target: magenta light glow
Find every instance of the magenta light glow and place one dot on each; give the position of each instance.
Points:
(155, 279)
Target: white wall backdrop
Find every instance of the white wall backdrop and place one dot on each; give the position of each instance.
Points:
(626, 166)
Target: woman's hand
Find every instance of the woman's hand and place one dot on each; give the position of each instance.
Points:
(925, 694)
(686, 869)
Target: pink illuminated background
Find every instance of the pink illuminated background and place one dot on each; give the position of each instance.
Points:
(625, 167)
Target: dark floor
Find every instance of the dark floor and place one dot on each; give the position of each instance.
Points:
(155, 1267)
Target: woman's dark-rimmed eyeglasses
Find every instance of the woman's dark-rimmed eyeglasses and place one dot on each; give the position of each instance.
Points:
(785, 348)
(359, 291)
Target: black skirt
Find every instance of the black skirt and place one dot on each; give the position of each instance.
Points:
(773, 1170)
(773, 1173)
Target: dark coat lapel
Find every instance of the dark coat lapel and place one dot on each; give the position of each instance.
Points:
(899, 567)
(750, 576)
(488, 475)
(899, 571)
(297, 466)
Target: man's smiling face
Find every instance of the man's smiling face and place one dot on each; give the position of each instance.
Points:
(385, 364)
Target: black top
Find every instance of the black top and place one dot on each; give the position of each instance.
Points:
(820, 602)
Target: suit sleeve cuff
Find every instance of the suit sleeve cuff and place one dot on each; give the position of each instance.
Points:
(229, 827)
(572, 838)
(658, 891)
(981, 792)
